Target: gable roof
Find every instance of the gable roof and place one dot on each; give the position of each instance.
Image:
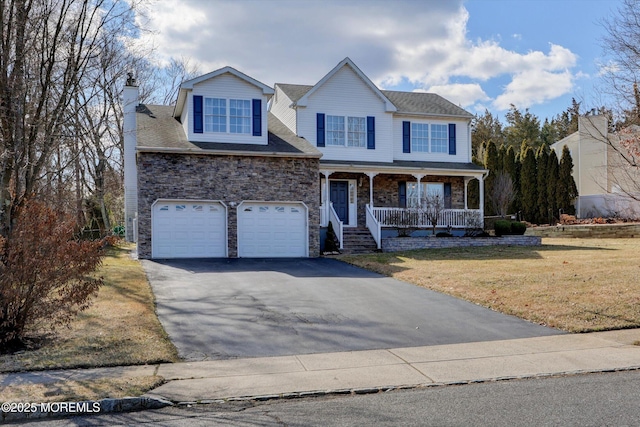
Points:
(302, 101)
(159, 131)
(419, 103)
(425, 103)
(186, 86)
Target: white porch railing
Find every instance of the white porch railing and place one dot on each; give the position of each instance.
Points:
(455, 218)
(374, 226)
(337, 224)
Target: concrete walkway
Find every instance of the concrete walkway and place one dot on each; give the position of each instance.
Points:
(372, 370)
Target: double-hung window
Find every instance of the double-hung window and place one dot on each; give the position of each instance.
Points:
(357, 132)
(215, 115)
(439, 139)
(218, 118)
(420, 137)
(239, 116)
(346, 131)
(427, 138)
(335, 130)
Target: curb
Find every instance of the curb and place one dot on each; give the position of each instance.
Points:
(386, 389)
(26, 411)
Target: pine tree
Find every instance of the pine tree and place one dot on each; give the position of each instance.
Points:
(553, 178)
(542, 160)
(567, 190)
(510, 166)
(490, 163)
(528, 185)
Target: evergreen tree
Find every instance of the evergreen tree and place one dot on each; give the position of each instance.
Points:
(491, 163)
(528, 185)
(567, 190)
(553, 179)
(549, 132)
(510, 166)
(485, 128)
(522, 127)
(542, 160)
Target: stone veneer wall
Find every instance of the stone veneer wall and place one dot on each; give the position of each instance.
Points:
(395, 244)
(595, 231)
(228, 179)
(385, 190)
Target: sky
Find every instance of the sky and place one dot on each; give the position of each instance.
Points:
(479, 54)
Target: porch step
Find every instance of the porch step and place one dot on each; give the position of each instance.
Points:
(358, 241)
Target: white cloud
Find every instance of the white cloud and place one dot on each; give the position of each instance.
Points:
(464, 94)
(534, 87)
(424, 43)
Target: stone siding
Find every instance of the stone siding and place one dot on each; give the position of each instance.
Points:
(395, 244)
(594, 231)
(230, 179)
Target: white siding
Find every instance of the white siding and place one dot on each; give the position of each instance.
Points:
(463, 142)
(345, 94)
(280, 107)
(230, 87)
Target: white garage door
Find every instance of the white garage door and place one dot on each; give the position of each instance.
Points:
(189, 229)
(267, 230)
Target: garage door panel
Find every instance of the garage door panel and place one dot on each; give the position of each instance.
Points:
(272, 230)
(189, 230)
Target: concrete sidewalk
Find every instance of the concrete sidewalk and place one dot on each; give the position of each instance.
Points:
(371, 370)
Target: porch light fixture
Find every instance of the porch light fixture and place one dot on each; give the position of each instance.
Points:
(360, 180)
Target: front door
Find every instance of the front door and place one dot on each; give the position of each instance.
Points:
(340, 199)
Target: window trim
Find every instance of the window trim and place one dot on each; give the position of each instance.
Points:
(428, 144)
(345, 132)
(228, 116)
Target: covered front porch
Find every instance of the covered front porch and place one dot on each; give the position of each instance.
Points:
(382, 196)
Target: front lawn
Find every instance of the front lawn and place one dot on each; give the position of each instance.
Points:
(120, 328)
(579, 285)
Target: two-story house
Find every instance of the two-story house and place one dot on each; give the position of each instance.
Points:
(237, 168)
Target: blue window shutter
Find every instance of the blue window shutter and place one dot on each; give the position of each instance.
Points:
(406, 137)
(402, 194)
(257, 117)
(371, 133)
(320, 129)
(197, 114)
(447, 195)
(452, 138)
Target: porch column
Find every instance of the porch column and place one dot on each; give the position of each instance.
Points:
(371, 175)
(481, 180)
(466, 192)
(327, 196)
(418, 177)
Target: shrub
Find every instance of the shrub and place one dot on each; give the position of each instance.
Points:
(44, 273)
(502, 227)
(444, 234)
(331, 243)
(518, 228)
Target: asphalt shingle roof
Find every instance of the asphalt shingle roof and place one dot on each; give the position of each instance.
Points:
(405, 102)
(158, 129)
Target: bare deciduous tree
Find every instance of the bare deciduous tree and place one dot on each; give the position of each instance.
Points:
(502, 193)
(47, 49)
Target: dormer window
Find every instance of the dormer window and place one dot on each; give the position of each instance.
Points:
(237, 118)
(215, 115)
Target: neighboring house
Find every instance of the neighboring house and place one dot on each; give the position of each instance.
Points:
(603, 177)
(239, 169)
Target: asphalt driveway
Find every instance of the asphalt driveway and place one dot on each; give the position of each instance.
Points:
(227, 308)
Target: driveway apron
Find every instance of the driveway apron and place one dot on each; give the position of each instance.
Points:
(229, 308)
